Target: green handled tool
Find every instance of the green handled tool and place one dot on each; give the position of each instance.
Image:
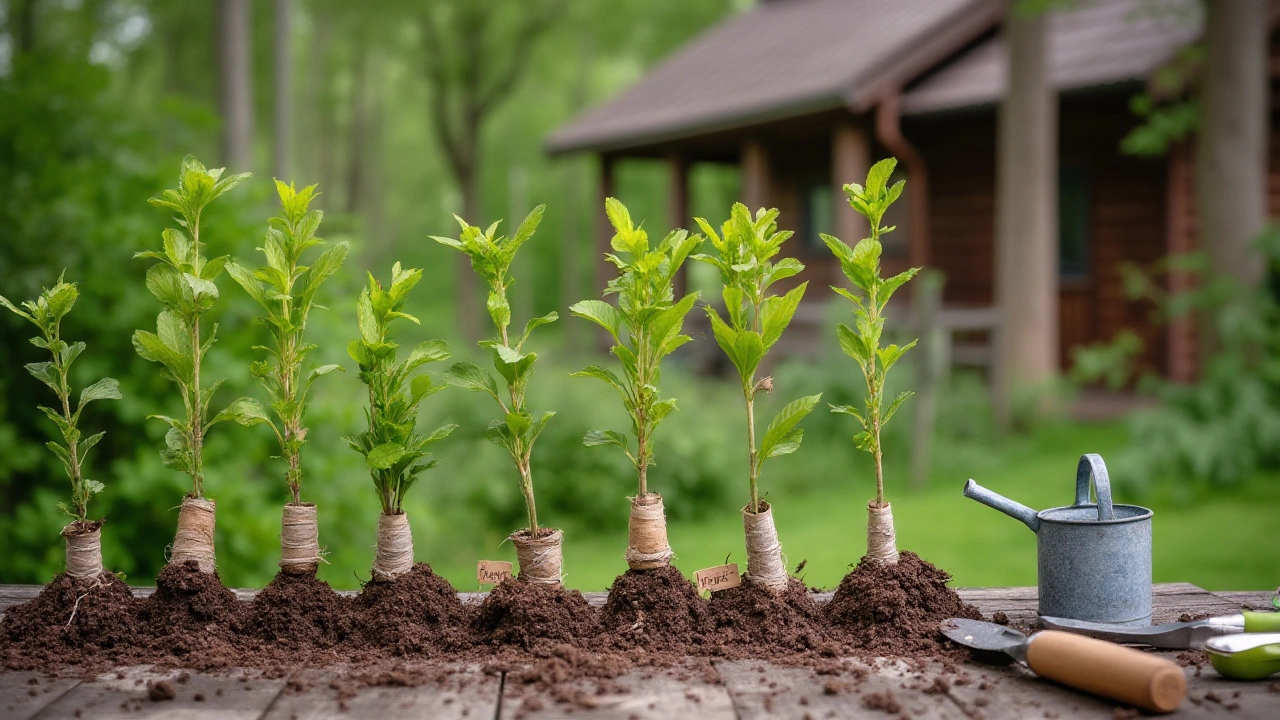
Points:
(1245, 656)
(1175, 635)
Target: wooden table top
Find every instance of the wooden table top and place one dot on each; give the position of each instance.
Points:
(738, 690)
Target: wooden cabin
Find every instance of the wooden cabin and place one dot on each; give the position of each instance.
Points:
(803, 95)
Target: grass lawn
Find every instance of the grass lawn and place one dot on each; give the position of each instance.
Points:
(1228, 539)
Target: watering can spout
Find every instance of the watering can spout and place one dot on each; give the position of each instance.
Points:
(1014, 510)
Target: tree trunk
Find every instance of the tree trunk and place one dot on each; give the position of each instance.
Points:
(282, 72)
(22, 26)
(235, 83)
(356, 133)
(1026, 286)
(1231, 152)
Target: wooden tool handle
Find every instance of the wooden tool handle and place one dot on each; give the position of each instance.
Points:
(1107, 669)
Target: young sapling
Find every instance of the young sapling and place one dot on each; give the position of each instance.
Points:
(757, 319)
(538, 550)
(286, 290)
(645, 326)
(182, 280)
(861, 265)
(83, 536)
(394, 451)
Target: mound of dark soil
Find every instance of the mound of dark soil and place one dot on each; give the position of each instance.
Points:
(70, 621)
(524, 614)
(298, 612)
(655, 609)
(894, 610)
(418, 612)
(191, 619)
(750, 622)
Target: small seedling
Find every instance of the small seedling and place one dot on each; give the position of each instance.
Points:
(286, 290)
(645, 325)
(46, 313)
(861, 265)
(516, 430)
(183, 281)
(746, 249)
(395, 452)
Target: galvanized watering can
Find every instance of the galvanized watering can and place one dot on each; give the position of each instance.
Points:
(1094, 558)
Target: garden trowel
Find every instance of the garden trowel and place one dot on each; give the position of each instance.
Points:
(1084, 663)
(1174, 635)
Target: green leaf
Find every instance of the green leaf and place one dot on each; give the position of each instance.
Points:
(893, 406)
(467, 375)
(777, 313)
(168, 286)
(865, 441)
(384, 456)
(46, 373)
(61, 452)
(4, 301)
(726, 337)
(246, 279)
(427, 352)
(666, 325)
(878, 177)
(853, 344)
(749, 350)
(526, 229)
(150, 347)
(85, 445)
(322, 370)
(891, 354)
(244, 411)
(519, 422)
(782, 425)
(606, 437)
(600, 313)
(104, 389)
(420, 387)
(536, 322)
(850, 410)
(605, 374)
(370, 328)
(536, 429)
(888, 287)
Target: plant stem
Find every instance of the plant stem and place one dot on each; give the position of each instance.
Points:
(78, 496)
(754, 459)
(197, 403)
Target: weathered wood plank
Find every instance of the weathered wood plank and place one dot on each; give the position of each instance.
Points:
(1249, 600)
(762, 691)
(649, 694)
(1211, 695)
(1012, 692)
(124, 694)
(451, 693)
(23, 694)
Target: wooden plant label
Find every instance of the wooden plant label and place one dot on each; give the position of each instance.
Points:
(720, 577)
(492, 572)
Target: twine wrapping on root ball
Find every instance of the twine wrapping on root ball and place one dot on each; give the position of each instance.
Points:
(541, 559)
(765, 566)
(299, 540)
(394, 554)
(647, 547)
(194, 539)
(84, 550)
(882, 543)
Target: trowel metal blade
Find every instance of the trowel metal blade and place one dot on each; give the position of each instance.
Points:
(981, 635)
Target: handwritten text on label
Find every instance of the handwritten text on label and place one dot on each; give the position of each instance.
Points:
(720, 577)
(492, 572)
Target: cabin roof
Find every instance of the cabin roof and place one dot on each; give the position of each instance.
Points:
(777, 60)
(1097, 44)
(791, 58)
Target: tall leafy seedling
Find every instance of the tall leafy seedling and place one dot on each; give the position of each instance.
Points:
(646, 325)
(393, 449)
(286, 289)
(538, 550)
(746, 249)
(83, 536)
(870, 296)
(182, 280)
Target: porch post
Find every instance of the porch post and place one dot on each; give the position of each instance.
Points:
(1026, 258)
(678, 208)
(850, 161)
(755, 174)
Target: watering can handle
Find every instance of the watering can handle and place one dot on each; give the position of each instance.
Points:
(1091, 466)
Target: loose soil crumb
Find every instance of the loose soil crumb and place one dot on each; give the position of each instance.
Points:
(750, 622)
(525, 614)
(418, 612)
(655, 609)
(885, 702)
(69, 622)
(298, 612)
(895, 609)
(162, 690)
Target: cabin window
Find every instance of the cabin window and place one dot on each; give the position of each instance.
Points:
(817, 216)
(1073, 221)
